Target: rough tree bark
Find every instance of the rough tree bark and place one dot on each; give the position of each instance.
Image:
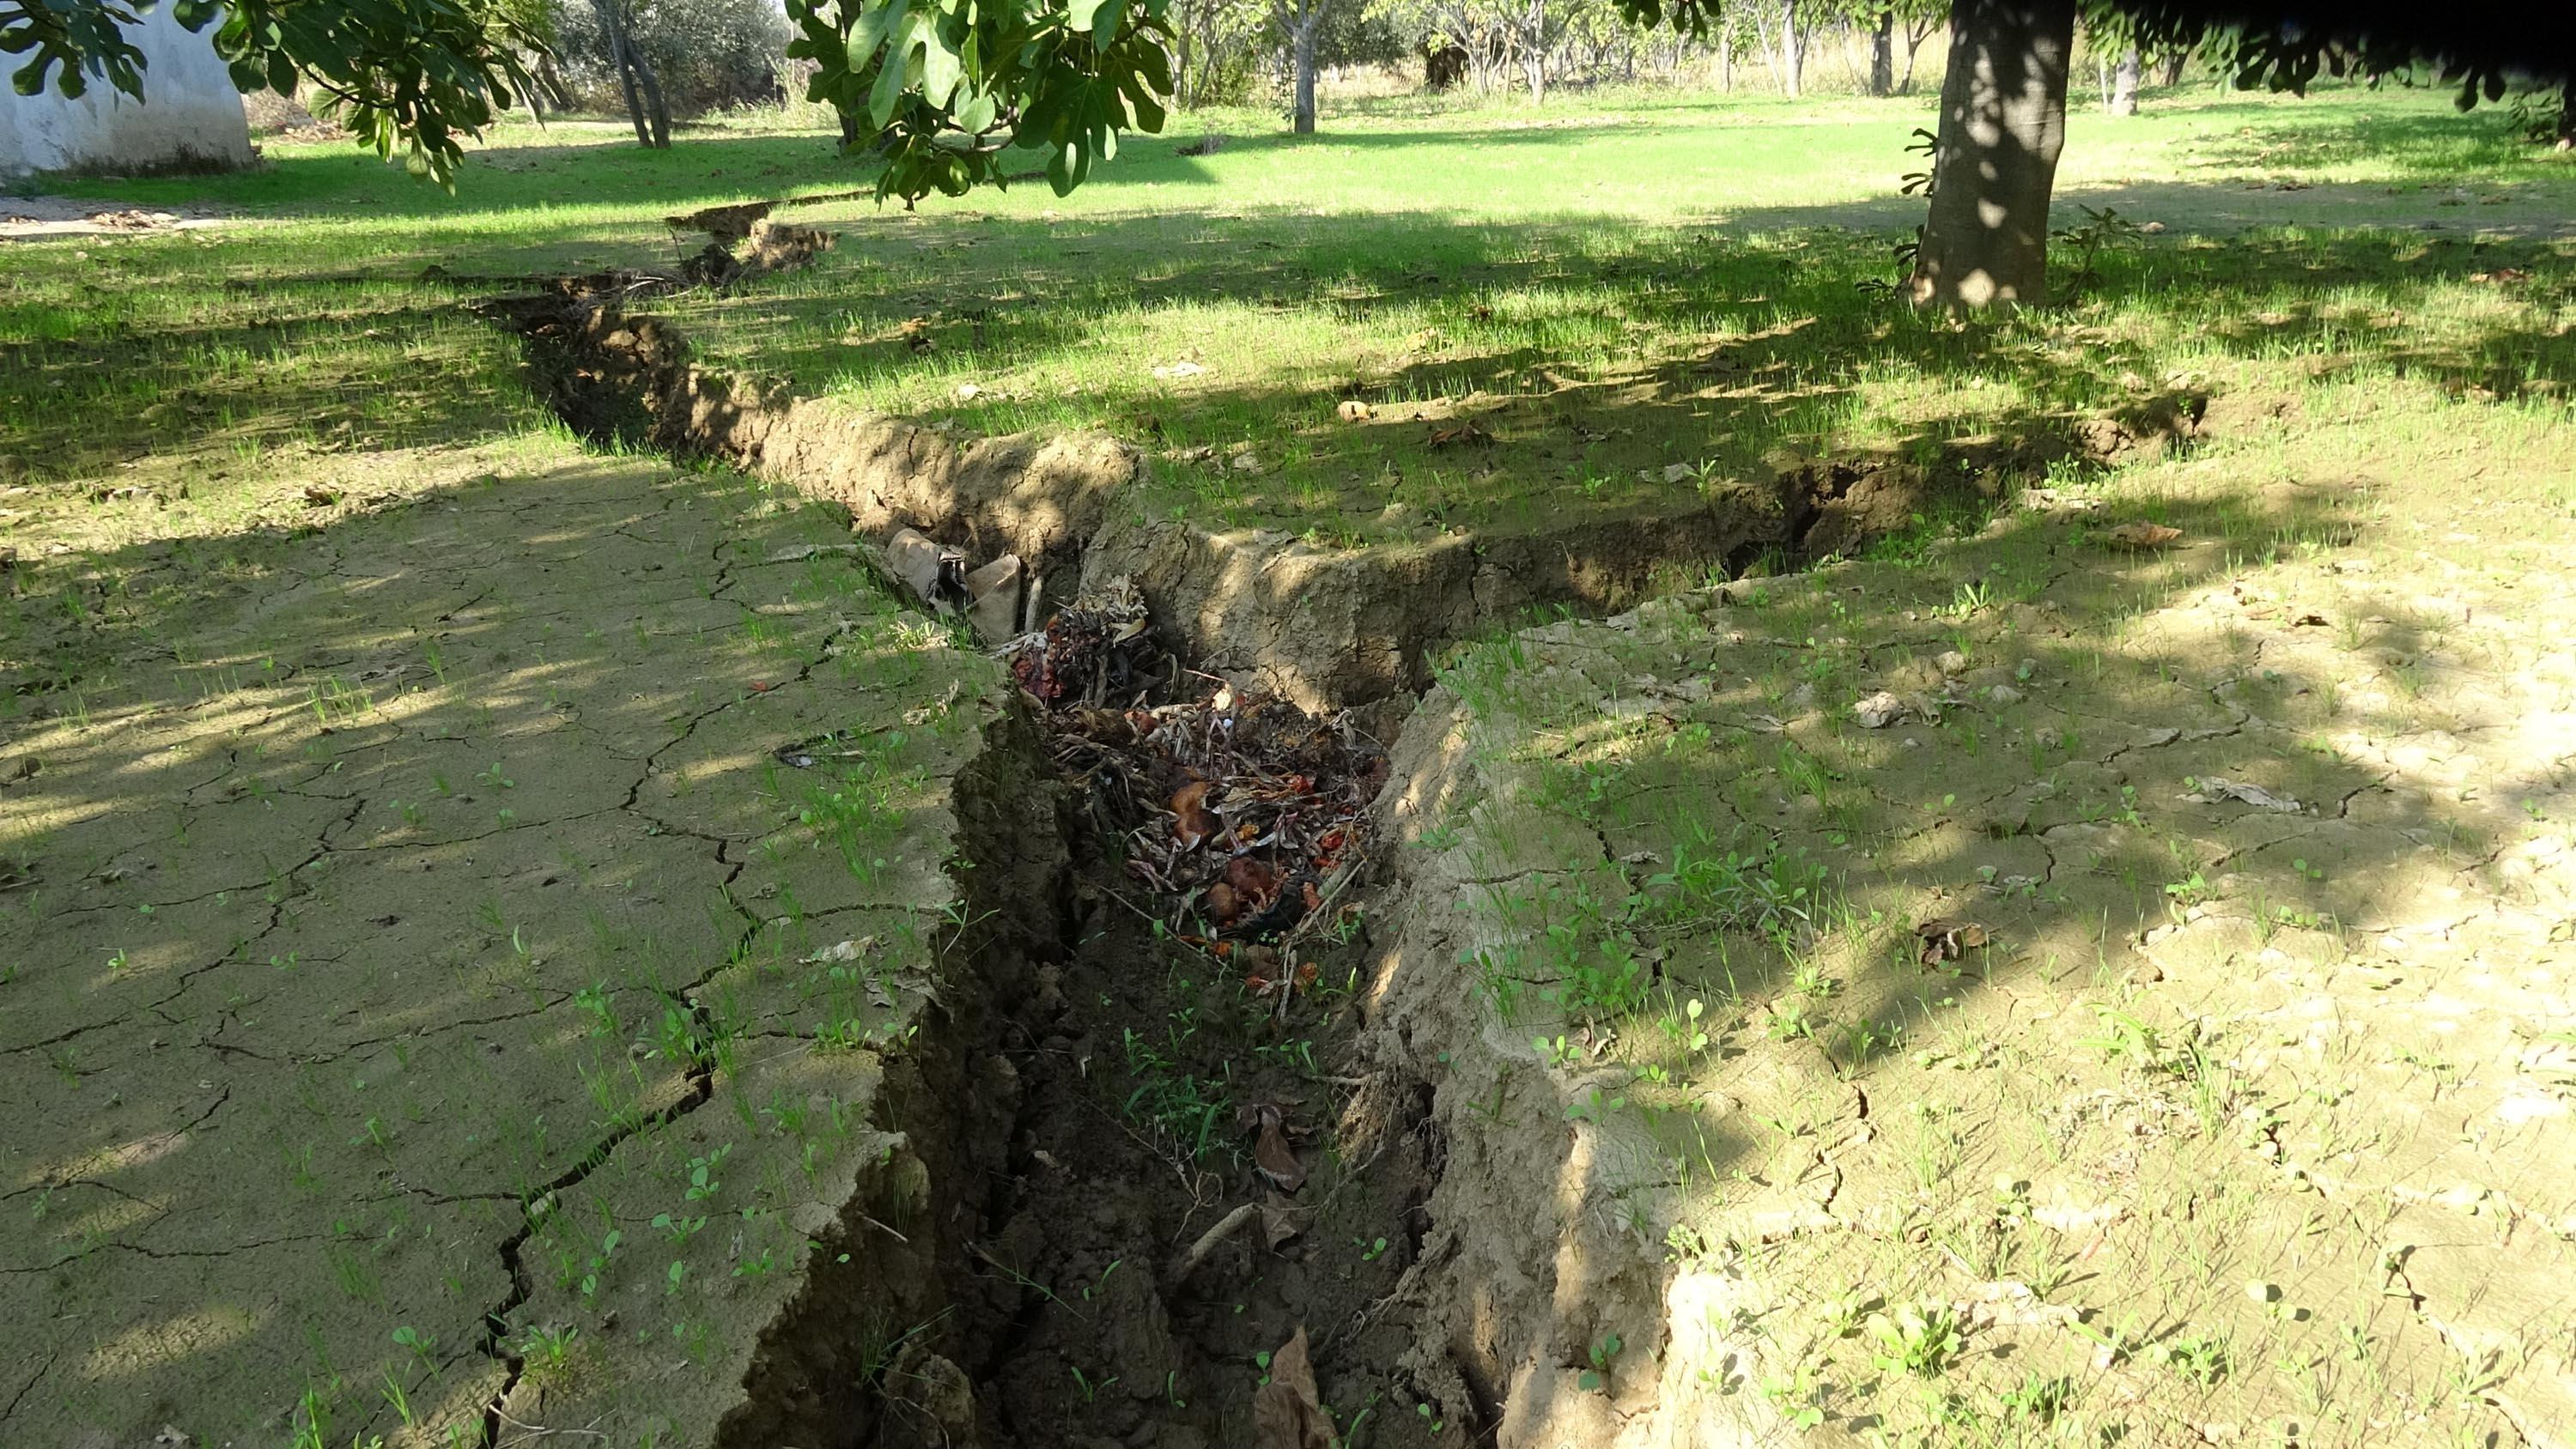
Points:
(1302, 44)
(1882, 55)
(2003, 123)
(654, 109)
(2124, 84)
(1533, 27)
(1791, 62)
(2174, 60)
(635, 79)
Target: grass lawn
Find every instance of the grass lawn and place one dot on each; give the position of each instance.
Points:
(1614, 288)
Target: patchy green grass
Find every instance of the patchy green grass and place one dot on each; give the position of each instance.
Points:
(2002, 1073)
(1637, 293)
(1624, 294)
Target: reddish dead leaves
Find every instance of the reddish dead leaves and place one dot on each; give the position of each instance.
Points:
(1096, 648)
(1256, 812)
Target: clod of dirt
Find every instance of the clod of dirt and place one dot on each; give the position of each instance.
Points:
(727, 224)
(2141, 536)
(998, 599)
(774, 247)
(935, 574)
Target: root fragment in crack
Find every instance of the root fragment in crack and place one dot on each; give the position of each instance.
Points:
(1214, 1238)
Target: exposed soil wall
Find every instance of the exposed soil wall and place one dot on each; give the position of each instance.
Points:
(950, 1100)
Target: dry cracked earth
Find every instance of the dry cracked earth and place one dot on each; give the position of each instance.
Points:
(461, 944)
(446, 961)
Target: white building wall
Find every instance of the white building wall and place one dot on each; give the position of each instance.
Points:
(190, 112)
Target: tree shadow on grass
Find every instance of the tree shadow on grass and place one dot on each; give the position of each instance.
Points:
(1585, 355)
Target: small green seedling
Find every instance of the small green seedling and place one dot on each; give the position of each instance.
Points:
(1919, 1339)
(1596, 1379)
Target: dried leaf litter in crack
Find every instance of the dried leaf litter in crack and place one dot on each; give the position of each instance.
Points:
(1945, 939)
(1255, 812)
(1094, 649)
(1271, 1154)
(1286, 1413)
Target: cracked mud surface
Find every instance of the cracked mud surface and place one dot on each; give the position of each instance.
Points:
(2247, 1125)
(428, 901)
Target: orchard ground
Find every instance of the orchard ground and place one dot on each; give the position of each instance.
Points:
(400, 861)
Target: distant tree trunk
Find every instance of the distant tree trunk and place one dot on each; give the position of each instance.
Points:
(634, 78)
(2567, 116)
(1916, 32)
(613, 25)
(1534, 50)
(1726, 64)
(1882, 55)
(2174, 60)
(1302, 47)
(2003, 123)
(1790, 60)
(654, 111)
(2124, 84)
(550, 82)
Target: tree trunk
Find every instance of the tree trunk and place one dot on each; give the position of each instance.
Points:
(2567, 116)
(612, 21)
(654, 111)
(1726, 64)
(2174, 60)
(1534, 50)
(2003, 122)
(2124, 84)
(1789, 57)
(1302, 44)
(1882, 55)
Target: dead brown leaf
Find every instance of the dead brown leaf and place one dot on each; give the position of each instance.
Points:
(1286, 1413)
(1192, 821)
(1945, 939)
(1281, 1223)
(1460, 433)
(321, 497)
(1276, 1160)
(2142, 535)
